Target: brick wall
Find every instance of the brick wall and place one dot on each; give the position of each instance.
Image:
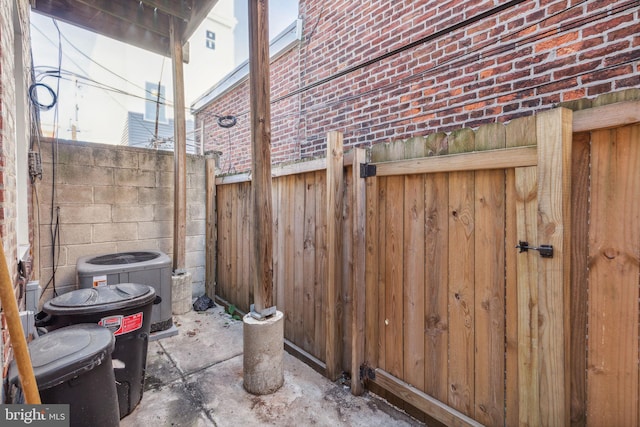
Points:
(519, 61)
(14, 33)
(115, 199)
(234, 142)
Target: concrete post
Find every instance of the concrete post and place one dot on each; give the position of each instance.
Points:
(263, 353)
(181, 293)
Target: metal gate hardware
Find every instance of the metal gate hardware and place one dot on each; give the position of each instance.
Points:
(367, 170)
(546, 251)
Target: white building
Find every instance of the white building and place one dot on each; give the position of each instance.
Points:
(122, 79)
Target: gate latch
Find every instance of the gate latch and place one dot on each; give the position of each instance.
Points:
(546, 251)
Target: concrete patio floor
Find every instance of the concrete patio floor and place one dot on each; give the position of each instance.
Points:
(195, 379)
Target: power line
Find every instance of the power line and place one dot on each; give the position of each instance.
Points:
(403, 48)
(473, 54)
(94, 61)
(477, 53)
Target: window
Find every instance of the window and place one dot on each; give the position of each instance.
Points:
(211, 40)
(154, 105)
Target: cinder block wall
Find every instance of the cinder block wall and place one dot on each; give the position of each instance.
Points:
(110, 198)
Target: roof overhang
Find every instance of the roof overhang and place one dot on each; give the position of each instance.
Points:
(141, 23)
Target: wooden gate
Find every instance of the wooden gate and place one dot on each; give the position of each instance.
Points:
(459, 322)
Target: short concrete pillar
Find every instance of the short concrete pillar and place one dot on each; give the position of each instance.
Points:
(263, 354)
(181, 293)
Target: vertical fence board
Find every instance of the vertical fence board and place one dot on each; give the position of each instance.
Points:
(437, 144)
(526, 180)
(240, 242)
(371, 274)
(245, 284)
(233, 261)
(224, 249)
(414, 292)
(289, 257)
(249, 262)
(238, 258)
(211, 228)
(461, 279)
(382, 271)
(414, 269)
(359, 274)
(298, 260)
(346, 308)
(321, 266)
(511, 302)
(309, 261)
(579, 277)
(335, 189)
(393, 260)
(554, 134)
(614, 248)
(519, 132)
(278, 242)
(489, 283)
(220, 244)
(436, 293)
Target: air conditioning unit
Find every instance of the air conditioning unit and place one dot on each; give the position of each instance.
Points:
(151, 268)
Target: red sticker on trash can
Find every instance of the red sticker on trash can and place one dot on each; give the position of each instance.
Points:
(122, 324)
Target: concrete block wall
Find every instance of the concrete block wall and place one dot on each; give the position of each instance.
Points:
(522, 60)
(110, 198)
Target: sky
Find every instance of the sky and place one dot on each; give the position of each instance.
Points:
(102, 79)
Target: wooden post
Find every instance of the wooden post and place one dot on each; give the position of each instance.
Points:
(180, 150)
(335, 189)
(259, 95)
(359, 282)
(554, 135)
(212, 227)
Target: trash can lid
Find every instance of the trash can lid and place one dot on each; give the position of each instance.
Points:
(101, 299)
(66, 353)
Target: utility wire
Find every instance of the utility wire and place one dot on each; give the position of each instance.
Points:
(224, 121)
(94, 61)
(403, 48)
(461, 60)
(465, 57)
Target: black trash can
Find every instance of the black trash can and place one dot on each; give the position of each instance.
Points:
(125, 309)
(72, 366)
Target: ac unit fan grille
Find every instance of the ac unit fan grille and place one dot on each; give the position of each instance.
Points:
(123, 258)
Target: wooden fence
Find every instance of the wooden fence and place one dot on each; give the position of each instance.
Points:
(410, 279)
